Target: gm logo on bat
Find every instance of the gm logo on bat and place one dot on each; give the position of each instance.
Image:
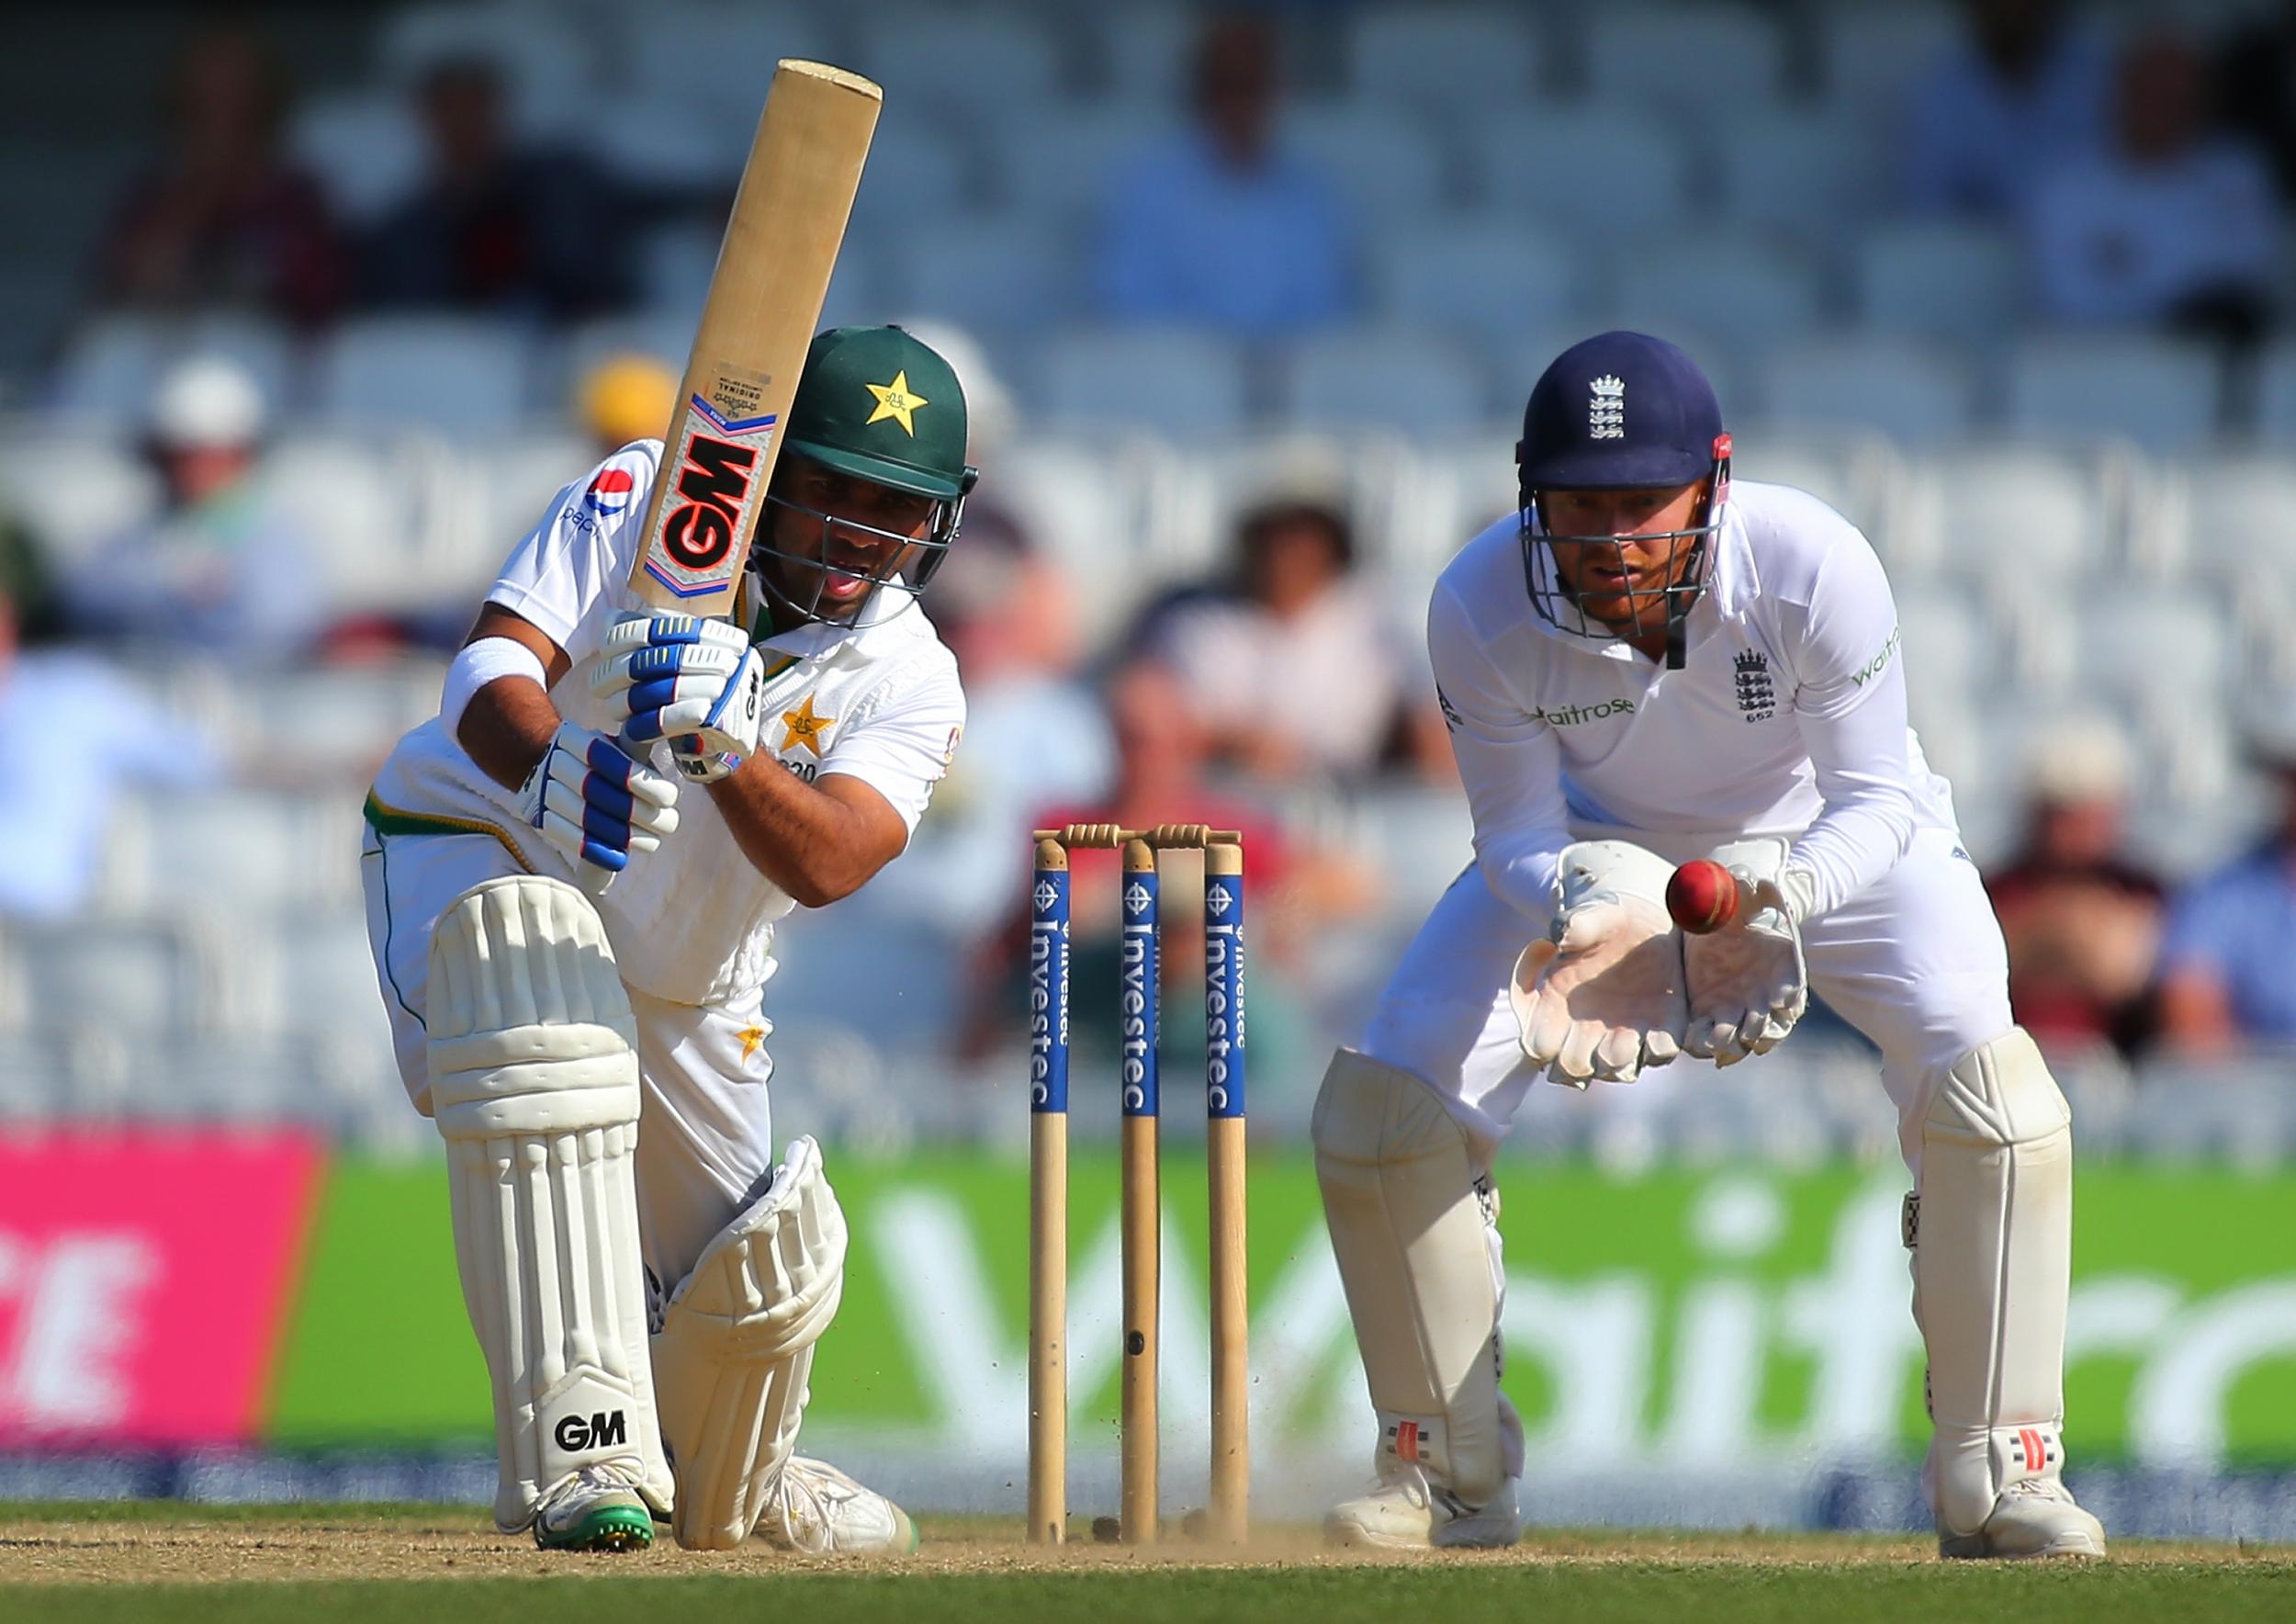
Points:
(715, 489)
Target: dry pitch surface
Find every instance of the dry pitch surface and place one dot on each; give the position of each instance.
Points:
(169, 1561)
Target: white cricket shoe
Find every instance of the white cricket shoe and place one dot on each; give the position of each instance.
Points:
(2035, 1516)
(595, 1509)
(817, 1510)
(1407, 1513)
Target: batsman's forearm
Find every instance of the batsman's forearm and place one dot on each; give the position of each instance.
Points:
(811, 844)
(507, 729)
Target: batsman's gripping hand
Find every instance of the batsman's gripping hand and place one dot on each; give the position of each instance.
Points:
(1747, 982)
(699, 683)
(593, 802)
(1603, 997)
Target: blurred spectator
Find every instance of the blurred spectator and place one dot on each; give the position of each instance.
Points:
(2082, 923)
(1219, 224)
(492, 229)
(1299, 892)
(222, 219)
(625, 397)
(1294, 665)
(2167, 223)
(73, 734)
(217, 569)
(2026, 88)
(2228, 964)
(2258, 71)
(1034, 734)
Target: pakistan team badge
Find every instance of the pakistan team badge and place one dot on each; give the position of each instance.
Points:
(805, 728)
(893, 400)
(1757, 696)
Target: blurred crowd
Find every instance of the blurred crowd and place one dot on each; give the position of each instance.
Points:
(2148, 176)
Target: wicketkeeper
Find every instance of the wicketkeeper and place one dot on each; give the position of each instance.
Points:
(574, 941)
(1649, 665)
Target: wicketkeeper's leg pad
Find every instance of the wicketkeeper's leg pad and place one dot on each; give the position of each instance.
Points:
(736, 1347)
(1413, 1228)
(1990, 1228)
(534, 1080)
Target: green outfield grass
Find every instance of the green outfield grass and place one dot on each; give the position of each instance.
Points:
(974, 1570)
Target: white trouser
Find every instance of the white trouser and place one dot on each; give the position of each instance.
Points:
(1915, 962)
(706, 1142)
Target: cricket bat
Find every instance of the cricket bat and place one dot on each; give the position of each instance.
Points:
(765, 298)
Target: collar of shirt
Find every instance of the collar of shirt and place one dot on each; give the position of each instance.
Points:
(838, 644)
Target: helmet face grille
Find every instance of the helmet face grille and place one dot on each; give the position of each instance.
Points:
(1653, 609)
(796, 585)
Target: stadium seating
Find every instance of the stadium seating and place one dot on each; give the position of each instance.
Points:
(1669, 57)
(2166, 394)
(1556, 165)
(1055, 162)
(1179, 381)
(1870, 55)
(1389, 166)
(1812, 175)
(1915, 393)
(1939, 279)
(945, 60)
(1748, 294)
(451, 372)
(705, 55)
(1376, 375)
(111, 364)
(1451, 61)
(997, 275)
(1480, 276)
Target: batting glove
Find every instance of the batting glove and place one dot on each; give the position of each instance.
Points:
(595, 804)
(699, 683)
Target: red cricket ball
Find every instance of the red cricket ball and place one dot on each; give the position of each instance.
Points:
(1702, 897)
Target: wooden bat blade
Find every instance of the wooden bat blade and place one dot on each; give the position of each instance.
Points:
(765, 298)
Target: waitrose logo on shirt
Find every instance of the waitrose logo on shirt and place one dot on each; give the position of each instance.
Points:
(1572, 714)
(1873, 666)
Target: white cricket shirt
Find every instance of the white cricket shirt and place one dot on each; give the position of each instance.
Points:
(1788, 717)
(692, 923)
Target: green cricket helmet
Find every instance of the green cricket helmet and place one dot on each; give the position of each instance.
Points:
(873, 403)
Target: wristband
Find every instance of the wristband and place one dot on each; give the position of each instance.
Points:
(479, 663)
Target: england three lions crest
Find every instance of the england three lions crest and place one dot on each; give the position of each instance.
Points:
(1757, 695)
(1607, 409)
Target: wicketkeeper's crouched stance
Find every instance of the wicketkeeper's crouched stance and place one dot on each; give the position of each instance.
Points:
(636, 1290)
(1650, 665)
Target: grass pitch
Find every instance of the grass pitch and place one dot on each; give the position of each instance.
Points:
(168, 1562)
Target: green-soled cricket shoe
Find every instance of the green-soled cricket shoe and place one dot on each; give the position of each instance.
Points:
(595, 1509)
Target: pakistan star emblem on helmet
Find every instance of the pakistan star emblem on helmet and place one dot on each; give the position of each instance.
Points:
(1607, 409)
(1217, 902)
(1046, 894)
(893, 400)
(1136, 899)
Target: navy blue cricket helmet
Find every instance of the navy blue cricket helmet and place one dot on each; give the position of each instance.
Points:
(1622, 412)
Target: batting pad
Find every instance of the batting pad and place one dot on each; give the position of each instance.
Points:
(535, 1087)
(1417, 1255)
(736, 1347)
(1992, 1238)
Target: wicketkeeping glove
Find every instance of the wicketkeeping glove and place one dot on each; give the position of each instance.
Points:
(1603, 997)
(699, 683)
(1748, 982)
(593, 802)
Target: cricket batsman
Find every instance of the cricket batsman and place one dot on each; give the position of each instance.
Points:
(1649, 665)
(573, 942)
